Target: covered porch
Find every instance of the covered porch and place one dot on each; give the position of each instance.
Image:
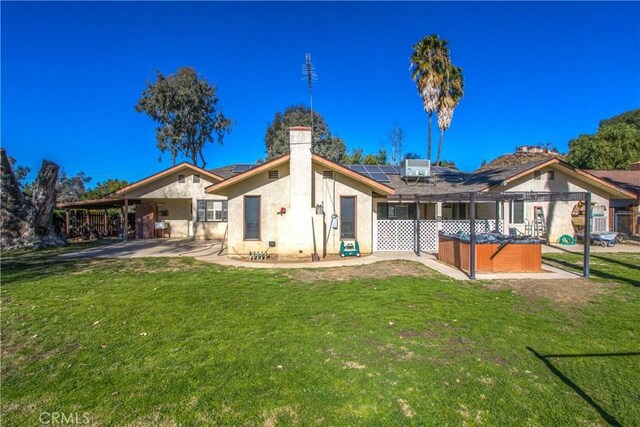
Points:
(127, 218)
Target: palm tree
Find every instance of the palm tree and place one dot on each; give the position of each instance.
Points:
(452, 91)
(429, 60)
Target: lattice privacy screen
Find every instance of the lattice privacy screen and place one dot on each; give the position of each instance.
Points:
(399, 235)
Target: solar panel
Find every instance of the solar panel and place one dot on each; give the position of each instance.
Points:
(357, 168)
(379, 176)
(389, 169)
(372, 168)
(242, 167)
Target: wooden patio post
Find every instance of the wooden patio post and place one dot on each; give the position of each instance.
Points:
(104, 222)
(125, 215)
(498, 216)
(472, 235)
(66, 222)
(587, 235)
(417, 228)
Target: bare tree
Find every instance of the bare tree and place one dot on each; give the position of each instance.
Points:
(396, 141)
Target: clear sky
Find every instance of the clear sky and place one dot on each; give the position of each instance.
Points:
(534, 72)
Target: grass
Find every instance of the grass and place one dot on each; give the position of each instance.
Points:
(605, 267)
(173, 341)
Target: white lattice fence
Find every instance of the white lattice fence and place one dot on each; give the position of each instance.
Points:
(463, 226)
(429, 235)
(395, 235)
(399, 235)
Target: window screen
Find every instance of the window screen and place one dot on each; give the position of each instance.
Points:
(212, 210)
(251, 218)
(396, 211)
(196, 179)
(517, 212)
(348, 217)
(181, 178)
(551, 175)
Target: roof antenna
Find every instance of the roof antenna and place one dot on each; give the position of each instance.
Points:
(309, 73)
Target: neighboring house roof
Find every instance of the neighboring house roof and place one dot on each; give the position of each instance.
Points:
(162, 174)
(238, 177)
(629, 180)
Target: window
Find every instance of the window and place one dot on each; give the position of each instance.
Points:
(181, 178)
(196, 179)
(212, 211)
(251, 217)
(273, 174)
(516, 212)
(327, 174)
(536, 175)
(551, 175)
(396, 211)
(348, 217)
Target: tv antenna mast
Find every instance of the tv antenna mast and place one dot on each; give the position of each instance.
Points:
(309, 73)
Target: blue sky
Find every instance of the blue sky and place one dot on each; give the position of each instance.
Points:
(534, 72)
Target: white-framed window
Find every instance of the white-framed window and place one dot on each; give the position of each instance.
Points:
(516, 212)
(212, 211)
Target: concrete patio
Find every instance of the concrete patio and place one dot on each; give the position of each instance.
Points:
(213, 252)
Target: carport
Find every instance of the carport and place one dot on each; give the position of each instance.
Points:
(95, 218)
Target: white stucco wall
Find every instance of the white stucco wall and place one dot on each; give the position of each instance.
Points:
(293, 233)
(180, 199)
(557, 214)
(330, 199)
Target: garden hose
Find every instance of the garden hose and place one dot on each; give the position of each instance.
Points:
(566, 239)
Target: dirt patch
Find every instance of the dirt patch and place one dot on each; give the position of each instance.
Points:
(352, 365)
(378, 270)
(568, 291)
(406, 409)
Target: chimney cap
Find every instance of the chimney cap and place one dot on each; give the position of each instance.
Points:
(300, 128)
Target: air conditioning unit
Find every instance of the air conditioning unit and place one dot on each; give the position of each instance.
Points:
(415, 168)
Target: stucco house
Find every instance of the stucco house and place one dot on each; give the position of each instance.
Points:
(301, 203)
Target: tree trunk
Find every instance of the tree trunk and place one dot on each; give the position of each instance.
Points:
(28, 223)
(14, 209)
(429, 138)
(44, 200)
(440, 147)
(204, 163)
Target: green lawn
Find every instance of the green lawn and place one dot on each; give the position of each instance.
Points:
(178, 342)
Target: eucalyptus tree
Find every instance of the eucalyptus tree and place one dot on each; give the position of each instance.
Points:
(186, 108)
(452, 91)
(429, 60)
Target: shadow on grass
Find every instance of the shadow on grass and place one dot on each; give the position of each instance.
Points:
(34, 268)
(545, 359)
(572, 266)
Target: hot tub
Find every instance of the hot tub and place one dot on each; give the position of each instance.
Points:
(495, 253)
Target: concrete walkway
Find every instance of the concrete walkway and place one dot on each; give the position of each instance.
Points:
(208, 251)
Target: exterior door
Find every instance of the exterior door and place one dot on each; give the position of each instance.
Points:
(145, 221)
